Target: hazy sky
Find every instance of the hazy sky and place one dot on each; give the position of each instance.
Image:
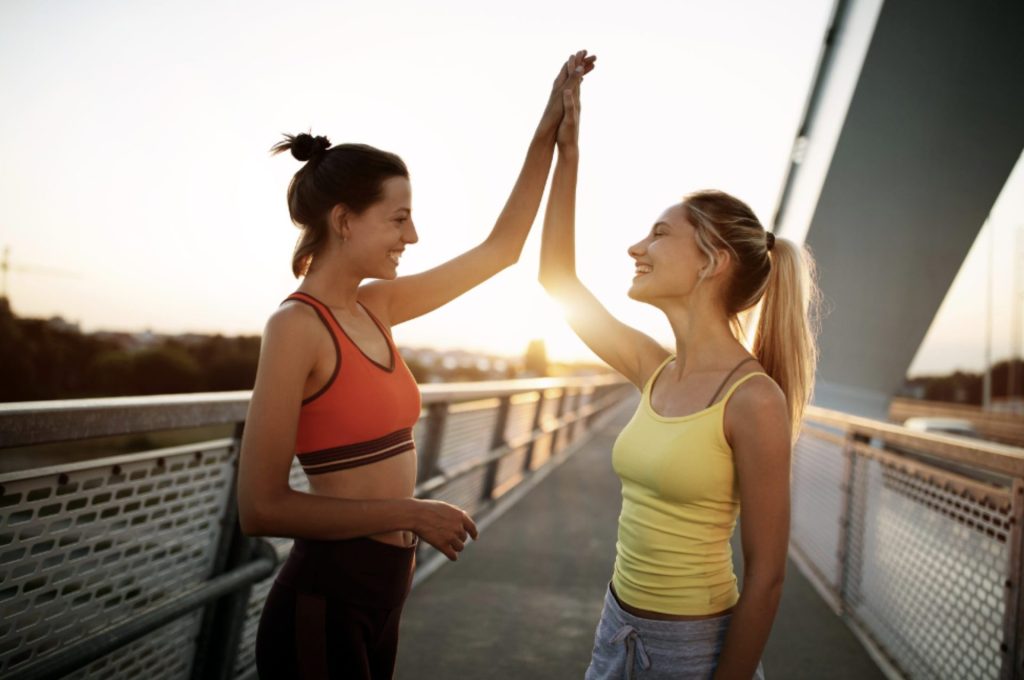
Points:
(136, 137)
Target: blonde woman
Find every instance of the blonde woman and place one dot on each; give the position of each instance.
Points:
(712, 434)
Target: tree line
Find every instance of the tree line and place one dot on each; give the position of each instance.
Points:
(968, 388)
(43, 360)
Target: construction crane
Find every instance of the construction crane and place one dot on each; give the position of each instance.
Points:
(6, 266)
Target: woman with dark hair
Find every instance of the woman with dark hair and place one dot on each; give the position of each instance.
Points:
(713, 431)
(332, 389)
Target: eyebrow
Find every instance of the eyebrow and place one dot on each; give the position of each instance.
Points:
(661, 224)
(408, 210)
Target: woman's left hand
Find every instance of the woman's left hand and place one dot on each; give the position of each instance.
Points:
(552, 116)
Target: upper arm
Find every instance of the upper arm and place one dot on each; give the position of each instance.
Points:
(408, 297)
(288, 352)
(630, 352)
(758, 428)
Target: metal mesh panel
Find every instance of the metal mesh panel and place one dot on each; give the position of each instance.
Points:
(550, 408)
(157, 655)
(96, 544)
(521, 413)
(541, 451)
(926, 573)
(245, 658)
(510, 470)
(817, 503)
(465, 492)
(468, 433)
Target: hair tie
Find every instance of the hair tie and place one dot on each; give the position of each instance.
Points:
(771, 239)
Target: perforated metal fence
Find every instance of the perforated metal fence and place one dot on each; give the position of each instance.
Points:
(916, 541)
(133, 565)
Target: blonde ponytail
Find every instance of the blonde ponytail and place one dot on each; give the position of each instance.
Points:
(785, 341)
(774, 272)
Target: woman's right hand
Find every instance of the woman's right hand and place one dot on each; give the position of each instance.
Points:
(443, 526)
(569, 129)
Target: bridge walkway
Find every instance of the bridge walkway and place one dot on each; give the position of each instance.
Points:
(524, 600)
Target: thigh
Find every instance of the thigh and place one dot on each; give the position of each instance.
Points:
(276, 653)
(384, 651)
(607, 659)
(308, 637)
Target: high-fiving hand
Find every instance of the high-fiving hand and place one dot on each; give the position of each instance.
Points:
(569, 76)
(568, 133)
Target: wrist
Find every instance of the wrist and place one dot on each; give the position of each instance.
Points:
(569, 150)
(408, 514)
(544, 134)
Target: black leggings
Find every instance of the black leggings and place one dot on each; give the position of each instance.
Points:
(333, 611)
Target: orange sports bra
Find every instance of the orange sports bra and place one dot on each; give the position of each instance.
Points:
(365, 413)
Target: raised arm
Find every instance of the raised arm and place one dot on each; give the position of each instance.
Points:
(267, 505)
(408, 297)
(627, 350)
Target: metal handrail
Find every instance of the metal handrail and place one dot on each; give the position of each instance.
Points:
(989, 456)
(28, 423)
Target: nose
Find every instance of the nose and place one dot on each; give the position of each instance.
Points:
(637, 249)
(410, 235)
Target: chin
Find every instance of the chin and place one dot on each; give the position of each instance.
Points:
(634, 294)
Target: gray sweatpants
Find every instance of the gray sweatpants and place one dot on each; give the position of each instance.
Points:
(628, 647)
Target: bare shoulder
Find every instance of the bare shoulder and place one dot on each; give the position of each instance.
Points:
(757, 412)
(293, 325)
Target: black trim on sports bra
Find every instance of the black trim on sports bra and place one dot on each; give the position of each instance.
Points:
(337, 347)
(380, 327)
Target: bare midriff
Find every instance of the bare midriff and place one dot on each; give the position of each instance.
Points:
(661, 616)
(391, 478)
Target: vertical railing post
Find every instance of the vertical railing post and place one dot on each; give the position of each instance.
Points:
(528, 458)
(559, 442)
(1013, 637)
(224, 618)
(845, 579)
(498, 440)
(437, 416)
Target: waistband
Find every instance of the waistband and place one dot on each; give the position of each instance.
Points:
(359, 571)
(697, 630)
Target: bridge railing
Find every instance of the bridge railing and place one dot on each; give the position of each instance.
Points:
(133, 565)
(916, 540)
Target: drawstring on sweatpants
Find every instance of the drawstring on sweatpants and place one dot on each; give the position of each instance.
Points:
(634, 644)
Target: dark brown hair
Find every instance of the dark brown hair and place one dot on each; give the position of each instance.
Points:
(351, 174)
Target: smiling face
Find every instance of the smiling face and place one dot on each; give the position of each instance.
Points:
(668, 261)
(376, 237)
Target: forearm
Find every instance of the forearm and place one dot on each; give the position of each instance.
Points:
(295, 514)
(748, 632)
(558, 249)
(513, 224)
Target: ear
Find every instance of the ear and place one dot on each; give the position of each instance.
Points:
(723, 258)
(337, 221)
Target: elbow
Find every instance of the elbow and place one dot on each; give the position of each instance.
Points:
(555, 285)
(510, 258)
(254, 518)
(768, 582)
(251, 523)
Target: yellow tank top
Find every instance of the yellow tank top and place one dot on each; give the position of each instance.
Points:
(679, 507)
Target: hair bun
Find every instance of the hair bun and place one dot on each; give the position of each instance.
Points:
(306, 147)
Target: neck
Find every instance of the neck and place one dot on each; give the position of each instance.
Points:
(333, 283)
(704, 340)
